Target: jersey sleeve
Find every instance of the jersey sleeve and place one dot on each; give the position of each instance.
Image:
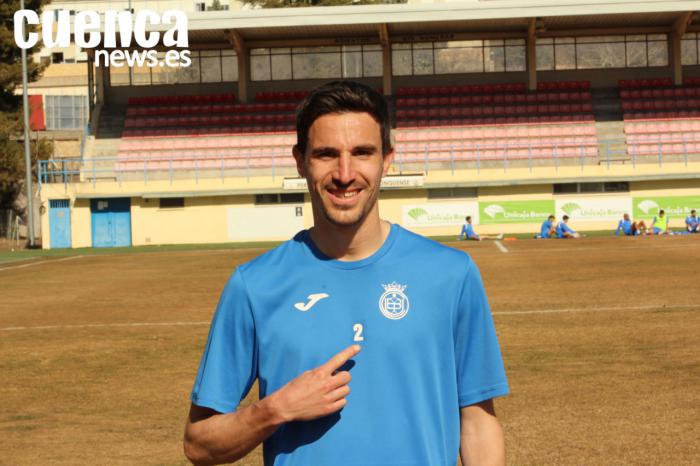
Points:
(229, 364)
(480, 371)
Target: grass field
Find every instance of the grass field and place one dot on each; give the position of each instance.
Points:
(600, 338)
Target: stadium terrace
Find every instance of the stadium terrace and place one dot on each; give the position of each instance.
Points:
(589, 109)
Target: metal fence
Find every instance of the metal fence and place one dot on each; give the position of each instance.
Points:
(9, 224)
(425, 156)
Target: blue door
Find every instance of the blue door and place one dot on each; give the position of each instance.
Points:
(59, 223)
(111, 222)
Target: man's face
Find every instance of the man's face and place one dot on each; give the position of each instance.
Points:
(626, 217)
(343, 166)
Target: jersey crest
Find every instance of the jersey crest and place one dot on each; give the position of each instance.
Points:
(394, 303)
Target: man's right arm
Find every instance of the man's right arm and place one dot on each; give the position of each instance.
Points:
(213, 438)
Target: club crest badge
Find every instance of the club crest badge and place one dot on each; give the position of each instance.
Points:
(394, 303)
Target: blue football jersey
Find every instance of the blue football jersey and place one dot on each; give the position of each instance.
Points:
(418, 310)
(545, 228)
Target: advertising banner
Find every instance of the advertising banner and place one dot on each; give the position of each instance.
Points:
(594, 208)
(675, 206)
(493, 212)
(437, 215)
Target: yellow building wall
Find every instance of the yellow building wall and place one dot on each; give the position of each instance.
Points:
(206, 215)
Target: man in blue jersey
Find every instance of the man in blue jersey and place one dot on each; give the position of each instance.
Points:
(564, 231)
(630, 228)
(692, 224)
(295, 319)
(468, 230)
(548, 228)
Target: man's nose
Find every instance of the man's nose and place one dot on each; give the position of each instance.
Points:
(345, 172)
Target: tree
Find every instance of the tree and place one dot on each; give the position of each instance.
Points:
(215, 6)
(303, 3)
(12, 165)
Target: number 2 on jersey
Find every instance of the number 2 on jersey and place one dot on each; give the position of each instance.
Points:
(357, 328)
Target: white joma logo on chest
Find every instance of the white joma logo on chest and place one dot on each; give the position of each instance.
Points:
(313, 299)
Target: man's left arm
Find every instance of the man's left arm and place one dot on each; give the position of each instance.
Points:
(481, 436)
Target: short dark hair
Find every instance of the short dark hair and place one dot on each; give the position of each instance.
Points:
(661, 212)
(550, 217)
(342, 97)
(565, 217)
(692, 211)
(468, 217)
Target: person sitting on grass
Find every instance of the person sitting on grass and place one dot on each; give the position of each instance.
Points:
(659, 225)
(630, 228)
(692, 223)
(468, 230)
(548, 229)
(564, 231)
(469, 233)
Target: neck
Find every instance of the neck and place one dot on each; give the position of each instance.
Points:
(352, 242)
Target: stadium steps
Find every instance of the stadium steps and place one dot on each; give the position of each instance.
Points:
(100, 159)
(611, 146)
(111, 122)
(606, 104)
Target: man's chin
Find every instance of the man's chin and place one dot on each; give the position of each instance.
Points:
(343, 218)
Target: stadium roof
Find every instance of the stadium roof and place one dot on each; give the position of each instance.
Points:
(439, 21)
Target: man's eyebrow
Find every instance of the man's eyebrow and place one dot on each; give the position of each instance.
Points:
(365, 148)
(324, 150)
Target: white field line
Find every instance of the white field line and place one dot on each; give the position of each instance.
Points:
(599, 309)
(518, 250)
(50, 261)
(107, 325)
(497, 313)
(500, 246)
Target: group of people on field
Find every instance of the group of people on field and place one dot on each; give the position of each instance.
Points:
(550, 228)
(659, 225)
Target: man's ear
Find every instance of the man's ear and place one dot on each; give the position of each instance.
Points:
(387, 161)
(299, 159)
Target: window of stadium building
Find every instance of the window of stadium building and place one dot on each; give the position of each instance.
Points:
(690, 49)
(595, 52)
(451, 193)
(66, 111)
(454, 57)
(280, 198)
(587, 188)
(286, 63)
(208, 66)
(171, 202)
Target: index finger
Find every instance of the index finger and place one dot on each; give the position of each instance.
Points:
(339, 359)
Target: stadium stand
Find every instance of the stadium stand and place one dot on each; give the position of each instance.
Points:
(497, 121)
(207, 131)
(661, 119)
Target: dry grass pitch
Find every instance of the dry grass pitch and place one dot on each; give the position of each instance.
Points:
(599, 335)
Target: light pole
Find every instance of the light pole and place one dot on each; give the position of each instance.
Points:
(27, 150)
